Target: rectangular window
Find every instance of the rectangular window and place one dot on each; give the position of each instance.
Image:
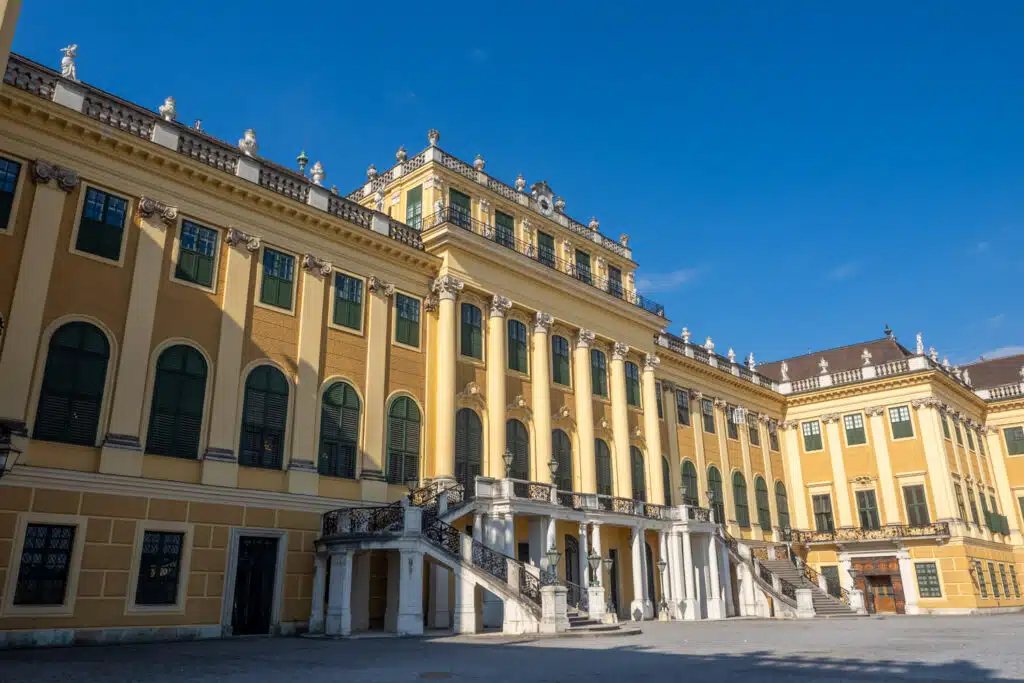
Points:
(196, 255)
(348, 301)
(407, 322)
(928, 580)
(546, 249)
(960, 501)
(504, 230)
(974, 506)
(812, 435)
(899, 418)
(992, 576)
(917, 506)
(278, 276)
(730, 423)
(753, 433)
(45, 562)
(615, 281)
(1002, 578)
(854, 424)
(517, 346)
(560, 361)
(1014, 440)
(583, 267)
(9, 171)
(867, 508)
(472, 332)
(823, 513)
(414, 207)
(459, 212)
(102, 226)
(598, 373)
(981, 443)
(633, 384)
(945, 424)
(682, 407)
(661, 409)
(773, 435)
(959, 434)
(159, 567)
(979, 572)
(1013, 578)
(707, 409)
(970, 439)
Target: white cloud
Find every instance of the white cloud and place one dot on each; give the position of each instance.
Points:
(844, 271)
(1004, 351)
(666, 282)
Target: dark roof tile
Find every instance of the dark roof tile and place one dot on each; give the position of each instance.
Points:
(842, 358)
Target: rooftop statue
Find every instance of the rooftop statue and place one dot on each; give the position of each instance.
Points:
(67, 63)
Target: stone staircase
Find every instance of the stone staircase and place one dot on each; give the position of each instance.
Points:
(825, 605)
(580, 624)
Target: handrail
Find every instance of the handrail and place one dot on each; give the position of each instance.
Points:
(577, 596)
(890, 531)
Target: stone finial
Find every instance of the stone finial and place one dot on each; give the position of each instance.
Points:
(751, 363)
(559, 204)
(920, 345)
(624, 239)
(945, 362)
(933, 354)
(317, 173)
(479, 163)
(784, 369)
(865, 357)
(709, 345)
(732, 355)
(594, 224)
(433, 136)
(371, 172)
(520, 183)
(401, 155)
(686, 335)
(168, 110)
(68, 69)
(248, 143)
(822, 366)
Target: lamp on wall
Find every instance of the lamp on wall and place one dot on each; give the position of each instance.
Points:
(553, 466)
(608, 562)
(594, 560)
(508, 462)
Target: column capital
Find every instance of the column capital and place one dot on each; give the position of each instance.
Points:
(651, 362)
(317, 265)
(447, 287)
(928, 402)
(380, 287)
(149, 207)
(619, 351)
(430, 303)
(542, 322)
(500, 306)
(872, 411)
(829, 418)
(585, 339)
(235, 237)
(43, 172)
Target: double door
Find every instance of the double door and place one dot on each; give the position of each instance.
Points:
(253, 605)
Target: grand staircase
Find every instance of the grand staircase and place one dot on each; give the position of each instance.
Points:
(825, 606)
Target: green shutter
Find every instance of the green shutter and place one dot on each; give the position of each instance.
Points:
(764, 512)
(468, 448)
(637, 470)
(546, 249)
(414, 207)
(72, 389)
(518, 442)
(739, 492)
(339, 431)
(782, 504)
(561, 449)
(179, 390)
(689, 479)
(403, 441)
(471, 332)
(666, 481)
(603, 462)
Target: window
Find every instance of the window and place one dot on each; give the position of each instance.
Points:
(517, 359)
(102, 226)
(9, 172)
(730, 423)
(414, 207)
(899, 418)
(504, 230)
(960, 501)
(970, 439)
(959, 434)
(348, 301)
(854, 425)
(683, 407)
(764, 512)
(974, 506)
(459, 211)
(517, 441)
(561, 451)
(867, 508)
(583, 267)
(981, 444)
(945, 424)
(823, 513)
(690, 490)
(782, 504)
(927, 580)
(603, 461)
(773, 435)
(658, 400)
(560, 360)
(707, 409)
(666, 481)
(407, 322)
(636, 460)
(278, 276)
(992, 576)
(917, 507)
(159, 566)
(598, 373)
(264, 417)
(179, 391)
(468, 448)
(472, 332)
(739, 494)
(752, 431)
(72, 388)
(339, 431)
(632, 384)
(546, 249)
(615, 281)
(1013, 577)
(1014, 440)
(1002, 578)
(403, 441)
(979, 572)
(45, 561)
(812, 435)
(197, 253)
(717, 500)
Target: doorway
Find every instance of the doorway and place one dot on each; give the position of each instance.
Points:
(649, 556)
(255, 575)
(572, 560)
(882, 594)
(377, 608)
(879, 579)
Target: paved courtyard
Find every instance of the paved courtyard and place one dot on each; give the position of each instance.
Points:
(869, 649)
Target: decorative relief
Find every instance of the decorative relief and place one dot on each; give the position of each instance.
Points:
(316, 265)
(43, 172)
(430, 303)
(149, 207)
(447, 287)
(763, 419)
(619, 351)
(829, 418)
(519, 403)
(863, 480)
(720, 403)
(872, 411)
(500, 306)
(696, 395)
(585, 339)
(248, 143)
(927, 402)
(562, 413)
(236, 237)
(542, 322)
(380, 287)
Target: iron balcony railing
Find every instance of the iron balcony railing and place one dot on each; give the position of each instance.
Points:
(888, 532)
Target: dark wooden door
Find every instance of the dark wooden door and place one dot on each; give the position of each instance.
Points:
(378, 590)
(572, 560)
(613, 579)
(254, 585)
(882, 594)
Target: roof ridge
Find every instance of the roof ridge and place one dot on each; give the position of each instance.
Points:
(836, 348)
(990, 360)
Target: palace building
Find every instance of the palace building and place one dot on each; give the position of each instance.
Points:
(236, 401)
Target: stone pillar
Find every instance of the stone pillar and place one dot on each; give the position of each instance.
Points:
(637, 608)
(715, 607)
(690, 608)
(595, 539)
(541, 384)
(220, 462)
(478, 526)
(844, 509)
(554, 609)
(584, 556)
(804, 603)
(886, 482)
(316, 614)
(510, 536)
(465, 603)
(410, 594)
(795, 492)
(550, 541)
(726, 578)
(909, 576)
(22, 331)
(373, 482)
(9, 10)
(652, 431)
(935, 456)
(447, 289)
(675, 574)
(585, 411)
(621, 469)
(440, 615)
(360, 588)
(339, 598)
(857, 602)
(497, 361)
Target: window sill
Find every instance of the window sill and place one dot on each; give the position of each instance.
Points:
(472, 360)
(156, 609)
(119, 263)
(271, 307)
(209, 289)
(395, 342)
(331, 325)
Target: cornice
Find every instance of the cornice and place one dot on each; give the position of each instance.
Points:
(715, 375)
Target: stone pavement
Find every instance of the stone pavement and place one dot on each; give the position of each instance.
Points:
(967, 649)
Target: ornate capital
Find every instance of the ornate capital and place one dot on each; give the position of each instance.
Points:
(619, 351)
(720, 403)
(651, 362)
(500, 306)
(696, 395)
(829, 418)
(380, 287)
(542, 322)
(447, 287)
(316, 265)
(763, 419)
(43, 172)
(430, 303)
(927, 402)
(874, 410)
(862, 480)
(236, 237)
(585, 339)
(149, 207)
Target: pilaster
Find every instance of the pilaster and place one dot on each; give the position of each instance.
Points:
(541, 387)
(620, 422)
(652, 430)
(842, 487)
(886, 481)
(797, 495)
(497, 361)
(447, 288)
(372, 482)
(585, 411)
(935, 457)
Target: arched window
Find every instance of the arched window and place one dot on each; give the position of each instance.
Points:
(72, 390)
(561, 450)
(560, 360)
(636, 461)
(403, 441)
(517, 440)
(339, 431)
(264, 417)
(689, 477)
(717, 501)
(739, 494)
(472, 332)
(603, 467)
(517, 358)
(666, 480)
(598, 373)
(468, 448)
(764, 512)
(782, 504)
(179, 390)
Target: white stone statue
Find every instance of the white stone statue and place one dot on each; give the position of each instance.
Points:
(624, 239)
(731, 355)
(967, 377)
(945, 362)
(920, 344)
(686, 335)
(933, 354)
(68, 69)
(439, 206)
(709, 345)
(751, 364)
(1022, 373)
(865, 357)
(401, 155)
(594, 224)
(784, 369)
(168, 110)
(317, 173)
(823, 366)
(248, 143)
(378, 200)
(433, 136)
(559, 204)
(520, 183)
(479, 163)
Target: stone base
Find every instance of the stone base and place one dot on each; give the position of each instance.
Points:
(690, 609)
(595, 598)
(554, 610)
(105, 636)
(640, 610)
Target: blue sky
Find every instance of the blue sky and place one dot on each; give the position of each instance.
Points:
(794, 175)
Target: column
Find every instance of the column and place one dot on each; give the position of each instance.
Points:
(550, 540)
(302, 462)
(465, 603)
(652, 430)
(478, 527)
(674, 456)
(584, 555)
(510, 536)
(8, 20)
(447, 288)
(410, 593)
(697, 425)
(220, 463)
(769, 471)
(841, 485)
(1010, 505)
(21, 336)
(497, 361)
(795, 487)
(440, 615)
(372, 480)
(620, 422)
(541, 385)
(935, 456)
(715, 610)
(675, 575)
(885, 479)
(665, 577)
(729, 606)
(585, 411)
(636, 542)
(339, 599)
(595, 541)
(909, 576)
(690, 611)
(316, 615)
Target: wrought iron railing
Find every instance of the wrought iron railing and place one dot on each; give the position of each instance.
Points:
(364, 521)
(888, 532)
(445, 536)
(568, 499)
(529, 585)
(577, 597)
(490, 560)
(698, 514)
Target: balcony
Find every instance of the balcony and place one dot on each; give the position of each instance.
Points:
(460, 218)
(891, 532)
